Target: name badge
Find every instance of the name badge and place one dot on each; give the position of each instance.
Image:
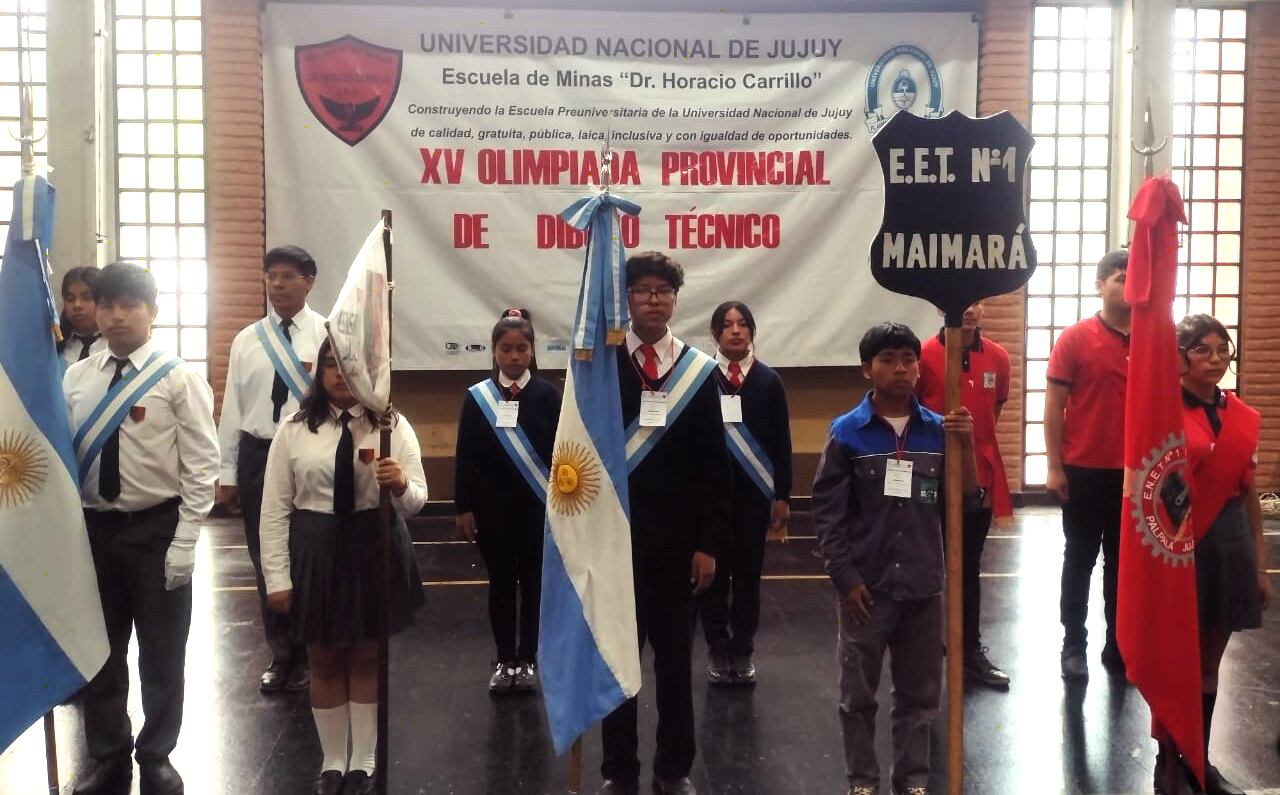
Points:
(897, 479)
(988, 380)
(508, 413)
(653, 409)
(731, 408)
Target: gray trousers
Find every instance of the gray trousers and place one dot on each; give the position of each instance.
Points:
(912, 633)
(128, 555)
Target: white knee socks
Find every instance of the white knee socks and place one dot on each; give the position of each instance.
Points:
(331, 725)
(364, 736)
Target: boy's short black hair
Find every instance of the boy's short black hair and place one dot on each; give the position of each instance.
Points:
(125, 280)
(294, 255)
(1111, 262)
(655, 263)
(887, 336)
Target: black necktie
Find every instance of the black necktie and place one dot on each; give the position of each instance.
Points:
(109, 463)
(344, 470)
(279, 390)
(85, 343)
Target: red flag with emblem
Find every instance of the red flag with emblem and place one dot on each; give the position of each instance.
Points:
(1156, 615)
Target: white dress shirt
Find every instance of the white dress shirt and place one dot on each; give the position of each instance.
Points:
(668, 349)
(172, 451)
(246, 403)
(744, 365)
(522, 381)
(75, 343)
(300, 477)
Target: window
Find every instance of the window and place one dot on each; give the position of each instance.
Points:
(1208, 160)
(1069, 190)
(160, 163)
(22, 51)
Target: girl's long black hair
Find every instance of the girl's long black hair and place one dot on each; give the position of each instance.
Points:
(516, 319)
(86, 275)
(315, 408)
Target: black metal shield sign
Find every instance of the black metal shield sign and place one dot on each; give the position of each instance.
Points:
(954, 231)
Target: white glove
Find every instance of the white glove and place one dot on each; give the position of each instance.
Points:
(180, 560)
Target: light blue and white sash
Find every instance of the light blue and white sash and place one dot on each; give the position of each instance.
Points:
(111, 410)
(682, 383)
(528, 463)
(750, 455)
(283, 359)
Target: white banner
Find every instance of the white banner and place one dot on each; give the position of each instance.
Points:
(746, 141)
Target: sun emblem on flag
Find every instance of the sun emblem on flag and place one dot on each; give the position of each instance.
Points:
(23, 468)
(575, 479)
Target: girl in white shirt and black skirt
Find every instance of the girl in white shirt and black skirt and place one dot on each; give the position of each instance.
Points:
(319, 558)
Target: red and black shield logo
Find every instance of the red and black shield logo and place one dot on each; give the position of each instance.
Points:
(348, 83)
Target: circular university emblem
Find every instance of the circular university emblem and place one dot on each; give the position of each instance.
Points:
(575, 479)
(1161, 499)
(23, 468)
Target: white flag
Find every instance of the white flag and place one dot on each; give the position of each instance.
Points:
(359, 325)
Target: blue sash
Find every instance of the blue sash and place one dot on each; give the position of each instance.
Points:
(283, 358)
(682, 382)
(111, 410)
(536, 473)
(750, 455)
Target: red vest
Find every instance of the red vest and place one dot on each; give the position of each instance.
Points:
(1222, 467)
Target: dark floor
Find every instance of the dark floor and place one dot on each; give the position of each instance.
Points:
(449, 736)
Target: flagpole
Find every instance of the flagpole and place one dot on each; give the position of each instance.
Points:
(51, 753)
(955, 569)
(575, 767)
(386, 515)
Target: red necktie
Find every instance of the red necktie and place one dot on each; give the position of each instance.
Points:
(735, 375)
(514, 389)
(650, 363)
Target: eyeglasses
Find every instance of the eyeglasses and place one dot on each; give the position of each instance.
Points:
(1202, 351)
(660, 293)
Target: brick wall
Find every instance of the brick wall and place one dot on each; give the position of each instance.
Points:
(1260, 365)
(237, 201)
(1004, 83)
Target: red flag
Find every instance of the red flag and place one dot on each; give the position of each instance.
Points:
(1156, 616)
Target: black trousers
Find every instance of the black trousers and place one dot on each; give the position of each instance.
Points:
(664, 617)
(976, 527)
(128, 555)
(1090, 519)
(251, 467)
(511, 545)
(732, 622)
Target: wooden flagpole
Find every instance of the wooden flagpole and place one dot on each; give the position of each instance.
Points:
(386, 515)
(51, 753)
(955, 569)
(575, 767)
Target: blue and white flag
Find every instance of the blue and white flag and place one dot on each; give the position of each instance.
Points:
(588, 648)
(51, 621)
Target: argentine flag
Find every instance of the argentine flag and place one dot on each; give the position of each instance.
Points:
(51, 621)
(588, 648)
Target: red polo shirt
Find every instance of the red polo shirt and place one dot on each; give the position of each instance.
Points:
(984, 385)
(1091, 359)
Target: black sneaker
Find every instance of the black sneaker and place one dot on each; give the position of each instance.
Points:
(1112, 661)
(1216, 784)
(978, 668)
(719, 667)
(525, 678)
(503, 677)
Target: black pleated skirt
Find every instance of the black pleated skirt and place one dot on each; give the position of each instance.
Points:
(1227, 573)
(333, 562)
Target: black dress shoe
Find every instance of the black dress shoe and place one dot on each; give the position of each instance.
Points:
(1112, 661)
(1075, 668)
(612, 786)
(329, 783)
(673, 786)
(719, 668)
(978, 668)
(160, 778)
(299, 678)
(106, 776)
(357, 782)
(1216, 784)
(744, 669)
(273, 678)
